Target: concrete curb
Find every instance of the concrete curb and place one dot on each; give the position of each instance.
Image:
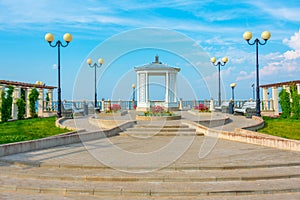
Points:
(148, 192)
(248, 136)
(60, 140)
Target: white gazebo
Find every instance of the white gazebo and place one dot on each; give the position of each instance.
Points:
(156, 68)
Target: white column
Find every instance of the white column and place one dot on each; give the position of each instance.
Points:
(2, 88)
(265, 98)
(271, 104)
(41, 102)
(287, 88)
(16, 95)
(147, 88)
(298, 87)
(27, 92)
(167, 87)
(275, 97)
(211, 105)
(50, 95)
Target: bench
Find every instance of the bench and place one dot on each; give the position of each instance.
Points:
(248, 107)
(223, 108)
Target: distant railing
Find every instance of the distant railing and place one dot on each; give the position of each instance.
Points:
(266, 105)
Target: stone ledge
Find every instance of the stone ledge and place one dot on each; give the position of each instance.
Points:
(248, 136)
(158, 118)
(59, 140)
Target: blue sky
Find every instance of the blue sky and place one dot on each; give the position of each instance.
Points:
(215, 26)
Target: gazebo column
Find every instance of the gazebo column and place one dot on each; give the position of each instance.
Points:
(41, 102)
(50, 95)
(27, 92)
(275, 98)
(142, 91)
(167, 98)
(265, 98)
(298, 87)
(16, 96)
(2, 88)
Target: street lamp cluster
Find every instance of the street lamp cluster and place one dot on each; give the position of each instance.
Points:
(247, 36)
(95, 65)
(219, 64)
(266, 35)
(49, 37)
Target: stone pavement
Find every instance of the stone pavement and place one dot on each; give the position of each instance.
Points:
(161, 167)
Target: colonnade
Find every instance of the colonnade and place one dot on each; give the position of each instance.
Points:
(26, 88)
(272, 104)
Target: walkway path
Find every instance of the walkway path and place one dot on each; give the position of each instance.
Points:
(127, 167)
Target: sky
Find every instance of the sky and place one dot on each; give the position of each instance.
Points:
(118, 32)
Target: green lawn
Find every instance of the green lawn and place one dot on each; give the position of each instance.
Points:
(286, 128)
(28, 129)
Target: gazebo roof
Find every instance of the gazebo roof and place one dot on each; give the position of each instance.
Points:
(21, 84)
(156, 66)
(280, 84)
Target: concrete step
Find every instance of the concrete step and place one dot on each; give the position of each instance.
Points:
(162, 129)
(189, 176)
(160, 126)
(153, 188)
(159, 133)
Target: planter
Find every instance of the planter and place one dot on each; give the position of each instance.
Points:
(121, 113)
(158, 118)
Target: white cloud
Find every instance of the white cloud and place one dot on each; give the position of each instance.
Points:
(294, 41)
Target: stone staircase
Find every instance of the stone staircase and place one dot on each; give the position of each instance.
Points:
(211, 183)
(231, 171)
(164, 128)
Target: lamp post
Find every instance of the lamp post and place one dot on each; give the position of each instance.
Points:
(133, 92)
(232, 85)
(95, 65)
(265, 36)
(224, 60)
(49, 37)
(253, 91)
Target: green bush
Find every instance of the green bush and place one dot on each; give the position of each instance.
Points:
(21, 108)
(285, 104)
(33, 97)
(6, 104)
(295, 105)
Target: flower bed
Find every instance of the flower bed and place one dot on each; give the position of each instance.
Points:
(201, 108)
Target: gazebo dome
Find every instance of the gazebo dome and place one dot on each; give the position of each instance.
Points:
(156, 65)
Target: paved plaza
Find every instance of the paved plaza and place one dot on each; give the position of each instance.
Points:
(157, 167)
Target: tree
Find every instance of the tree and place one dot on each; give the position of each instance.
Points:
(6, 103)
(295, 105)
(33, 97)
(285, 103)
(21, 108)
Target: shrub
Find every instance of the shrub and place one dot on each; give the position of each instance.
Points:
(21, 108)
(285, 103)
(6, 104)
(295, 105)
(33, 97)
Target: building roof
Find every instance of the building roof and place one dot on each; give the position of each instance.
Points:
(280, 84)
(21, 84)
(157, 66)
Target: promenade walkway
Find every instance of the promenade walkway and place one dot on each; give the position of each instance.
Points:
(204, 168)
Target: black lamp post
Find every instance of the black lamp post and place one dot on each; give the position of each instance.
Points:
(253, 91)
(232, 85)
(133, 95)
(49, 37)
(95, 65)
(265, 36)
(224, 60)
(133, 92)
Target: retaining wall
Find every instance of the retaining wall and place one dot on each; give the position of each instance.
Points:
(59, 140)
